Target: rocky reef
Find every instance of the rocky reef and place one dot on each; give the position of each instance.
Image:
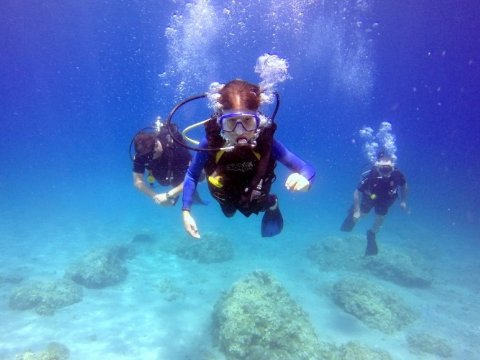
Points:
(400, 267)
(101, 267)
(422, 343)
(355, 351)
(211, 248)
(46, 296)
(394, 264)
(54, 351)
(257, 319)
(373, 305)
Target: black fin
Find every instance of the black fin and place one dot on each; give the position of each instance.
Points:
(272, 222)
(372, 248)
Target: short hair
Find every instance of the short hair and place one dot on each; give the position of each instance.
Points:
(240, 94)
(144, 143)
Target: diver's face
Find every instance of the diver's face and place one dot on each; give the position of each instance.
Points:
(385, 167)
(385, 170)
(239, 126)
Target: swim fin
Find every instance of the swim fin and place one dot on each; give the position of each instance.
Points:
(349, 222)
(272, 222)
(372, 248)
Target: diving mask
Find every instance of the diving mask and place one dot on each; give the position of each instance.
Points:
(229, 122)
(385, 169)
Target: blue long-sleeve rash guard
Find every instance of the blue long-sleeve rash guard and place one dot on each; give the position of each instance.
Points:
(279, 153)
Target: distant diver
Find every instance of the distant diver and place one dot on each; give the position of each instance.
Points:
(379, 188)
(158, 158)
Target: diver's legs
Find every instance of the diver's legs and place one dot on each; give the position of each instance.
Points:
(349, 221)
(372, 248)
(377, 224)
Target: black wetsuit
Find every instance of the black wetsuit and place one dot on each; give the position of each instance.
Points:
(379, 192)
(169, 168)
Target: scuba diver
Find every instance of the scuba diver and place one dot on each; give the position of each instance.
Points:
(378, 189)
(160, 158)
(239, 155)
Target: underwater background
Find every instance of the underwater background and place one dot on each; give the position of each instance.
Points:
(79, 79)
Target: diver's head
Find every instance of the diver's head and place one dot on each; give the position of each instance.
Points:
(239, 118)
(239, 94)
(385, 164)
(148, 145)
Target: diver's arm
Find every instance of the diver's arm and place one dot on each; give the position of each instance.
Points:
(138, 176)
(164, 199)
(304, 173)
(140, 185)
(175, 191)
(192, 177)
(403, 196)
(356, 204)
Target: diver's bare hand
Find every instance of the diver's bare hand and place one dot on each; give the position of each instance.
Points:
(190, 225)
(297, 182)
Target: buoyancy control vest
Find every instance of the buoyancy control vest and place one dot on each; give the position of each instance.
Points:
(244, 175)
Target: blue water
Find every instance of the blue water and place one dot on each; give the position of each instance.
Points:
(78, 79)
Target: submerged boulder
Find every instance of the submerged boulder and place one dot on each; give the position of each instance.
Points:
(400, 267)
(211, 248)
(101, 267)
(336, 253)
(422, 343)
(257, 319)
(54, 351)
(355, 351)
(372, 305)
(46, 296)
(394, 264)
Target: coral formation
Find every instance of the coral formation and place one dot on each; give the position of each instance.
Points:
(211, 248)
(257, 319)
(101, 267)
(335, 253)
(392, 264)
(356, 351)
(372, 305)
(46, 296)
(400, 267)
(54, 351)
(425, 343)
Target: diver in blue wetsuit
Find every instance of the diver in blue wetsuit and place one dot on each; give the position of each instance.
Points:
(240, 171)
